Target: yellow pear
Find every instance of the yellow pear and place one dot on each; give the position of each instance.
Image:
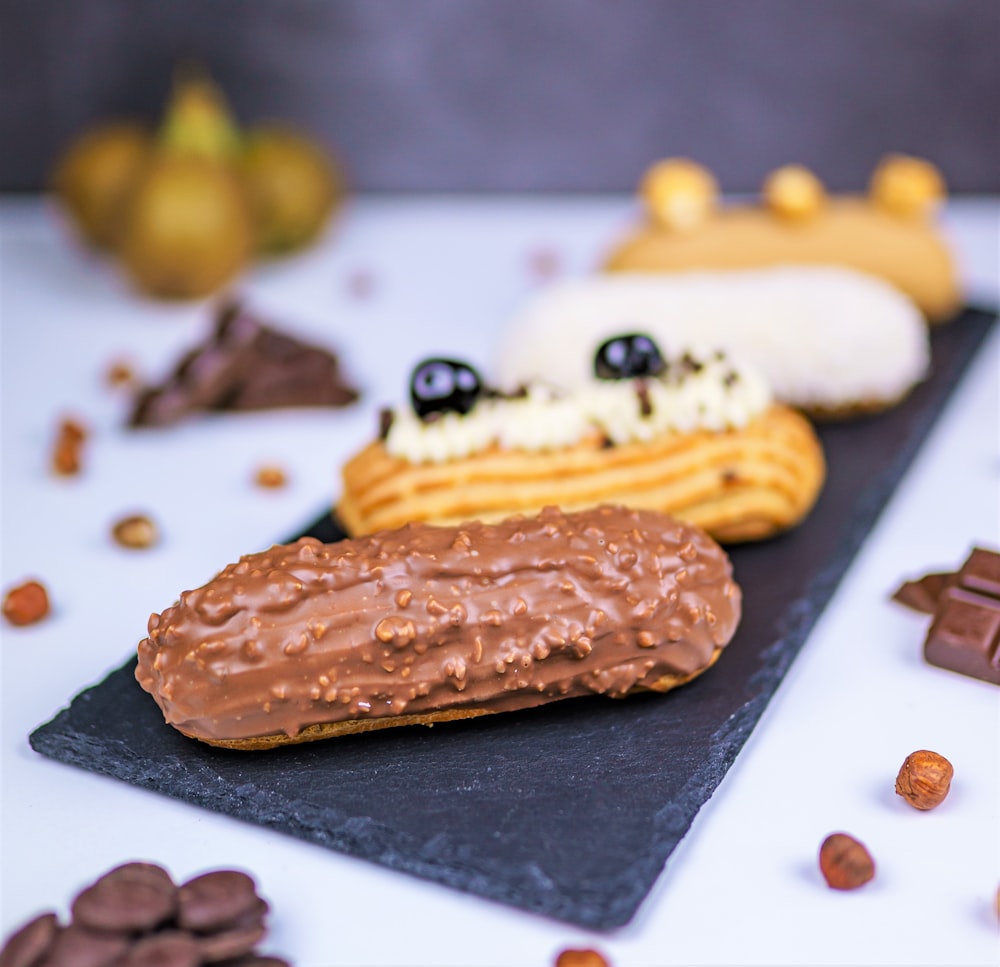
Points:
(293, 187)
(92, 177)
(198, 121)
(187, 229)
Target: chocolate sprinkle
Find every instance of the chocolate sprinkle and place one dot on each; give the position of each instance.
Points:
(645, 403)
(385, 418)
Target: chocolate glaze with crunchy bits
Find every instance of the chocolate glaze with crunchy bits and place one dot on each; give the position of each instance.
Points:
(476, 618)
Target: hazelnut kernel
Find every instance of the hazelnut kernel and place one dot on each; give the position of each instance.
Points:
(270, 476)
(580, 958)
(924, 779)
(67, 451)
(26, 603)
(120, 373)
(136, 532)
(845, 862)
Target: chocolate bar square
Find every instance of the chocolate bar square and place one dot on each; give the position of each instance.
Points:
(965, 635)
(981, 572)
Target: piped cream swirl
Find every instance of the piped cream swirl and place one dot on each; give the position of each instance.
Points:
(710, 393)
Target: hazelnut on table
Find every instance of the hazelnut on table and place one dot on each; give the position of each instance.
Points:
(26, 603)
(270, 476)
(136, 532)
(67, 451)
(580, 958)
(845, 862)
(924, 779)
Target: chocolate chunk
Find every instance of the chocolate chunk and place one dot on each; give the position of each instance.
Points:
(172, 948)
(25, 947)
(964, 636)
(924, 593)
(128, 899)
(981, 572)
(76, 946)
(244, 365)
(285, 372)
(203, 376)
(214, 901)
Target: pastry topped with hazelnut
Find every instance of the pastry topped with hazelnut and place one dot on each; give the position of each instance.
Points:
(696, 436)
(890, 232)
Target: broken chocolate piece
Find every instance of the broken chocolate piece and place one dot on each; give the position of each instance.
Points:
(244, 365)
(924, 593)
(964, 636)
(981, 572)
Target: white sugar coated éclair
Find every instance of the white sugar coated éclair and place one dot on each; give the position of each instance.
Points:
(827, 339)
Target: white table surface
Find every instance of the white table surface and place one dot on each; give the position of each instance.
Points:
(743, 887)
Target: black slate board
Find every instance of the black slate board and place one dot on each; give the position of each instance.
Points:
(570, 810)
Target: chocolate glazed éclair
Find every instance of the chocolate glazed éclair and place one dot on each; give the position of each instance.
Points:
(425, 623)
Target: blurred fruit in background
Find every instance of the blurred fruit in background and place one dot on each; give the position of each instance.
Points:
(187, 207)
(186, 229)
(91, 177)
(291, 186)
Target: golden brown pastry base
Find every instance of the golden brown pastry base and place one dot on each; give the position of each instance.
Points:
(905, 251)
(328, 730)
(738, 485)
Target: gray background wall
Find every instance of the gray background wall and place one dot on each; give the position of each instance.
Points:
(531, 94)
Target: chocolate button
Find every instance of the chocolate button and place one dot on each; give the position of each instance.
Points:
(258, 960)
(217, 900)
(128, 899)
(76, 946)
(236, 941)
(137, 872)
(169, 949)
(25, 947)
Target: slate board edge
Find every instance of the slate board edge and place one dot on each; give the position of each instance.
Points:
(446, 869)
(803, 614)
(347, 837)
(728, 739)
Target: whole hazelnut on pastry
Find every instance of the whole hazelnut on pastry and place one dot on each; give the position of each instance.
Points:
(679, 194)
(907, 186)
(793, 192)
